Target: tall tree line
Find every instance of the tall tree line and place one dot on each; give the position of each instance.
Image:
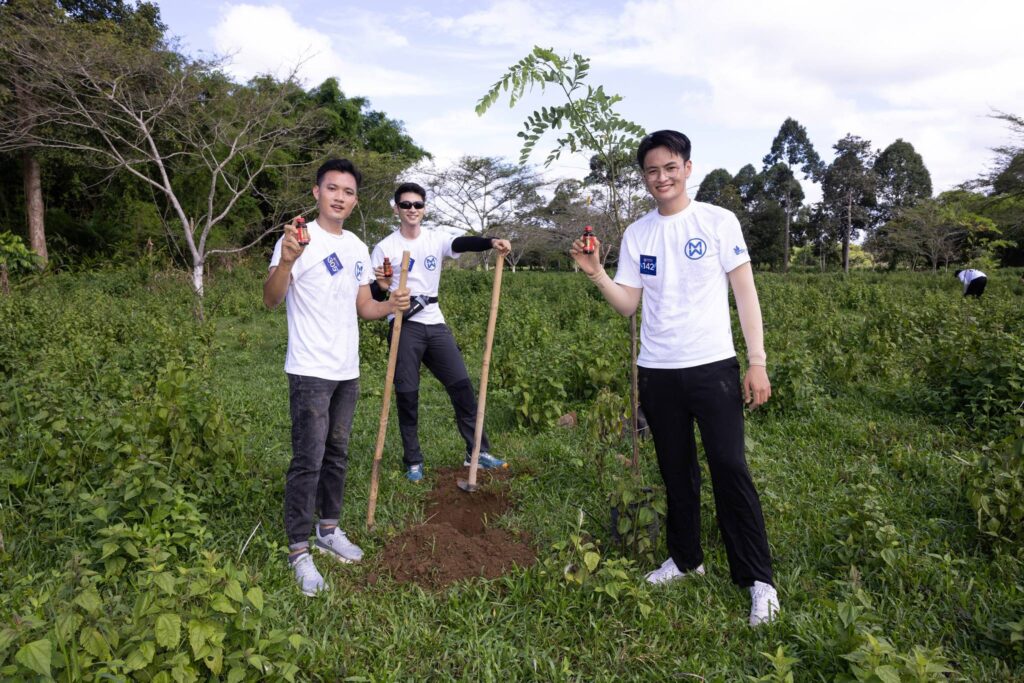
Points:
(126, 141)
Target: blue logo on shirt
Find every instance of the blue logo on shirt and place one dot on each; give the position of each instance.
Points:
(359, 270)
(411, 261)
(431, 262)
(696, 248)
(648, 265)
(333, 264)
(736, 250)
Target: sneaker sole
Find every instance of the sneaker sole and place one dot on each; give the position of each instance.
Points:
(339, 558)
(503, 466)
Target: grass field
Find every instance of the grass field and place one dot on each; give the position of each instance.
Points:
(143, 466)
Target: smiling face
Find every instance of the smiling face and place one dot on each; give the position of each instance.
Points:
(412, 216)
(336, 197)
(665, 174)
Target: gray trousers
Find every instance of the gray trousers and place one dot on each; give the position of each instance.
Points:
(321, 412)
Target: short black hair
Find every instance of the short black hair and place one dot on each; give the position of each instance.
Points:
(410, 187)
(673, 140)
(957, 273)
(342, 166)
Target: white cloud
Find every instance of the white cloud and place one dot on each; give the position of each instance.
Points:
(928, 72)
(268, 39)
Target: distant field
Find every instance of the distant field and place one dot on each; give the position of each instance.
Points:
(143, 466)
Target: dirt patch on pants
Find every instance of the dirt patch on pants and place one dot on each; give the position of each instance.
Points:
(458, 539)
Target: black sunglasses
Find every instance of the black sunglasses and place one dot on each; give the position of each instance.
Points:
(411, 205)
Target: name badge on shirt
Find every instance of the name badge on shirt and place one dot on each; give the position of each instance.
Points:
(333, 264)
(648, 265)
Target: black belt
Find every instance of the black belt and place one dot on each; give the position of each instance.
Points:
(417, 304)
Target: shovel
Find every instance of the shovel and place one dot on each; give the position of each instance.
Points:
(388, 380)
(469, 485)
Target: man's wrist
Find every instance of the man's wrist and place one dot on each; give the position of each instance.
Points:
(758, 359)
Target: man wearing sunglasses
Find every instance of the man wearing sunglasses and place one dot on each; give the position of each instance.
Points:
(425, 337)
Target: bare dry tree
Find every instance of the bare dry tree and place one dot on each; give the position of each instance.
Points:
(178, 125)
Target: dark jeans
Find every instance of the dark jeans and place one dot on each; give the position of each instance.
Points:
(710, 395)
(976, 287)
(435, 347)
(321, 413)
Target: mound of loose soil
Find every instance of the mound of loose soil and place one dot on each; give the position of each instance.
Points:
(457, 540)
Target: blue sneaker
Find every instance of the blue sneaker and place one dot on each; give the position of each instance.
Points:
(485, 461)
(414, 472)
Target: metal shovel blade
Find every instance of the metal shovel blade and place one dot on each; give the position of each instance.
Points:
(466, 486)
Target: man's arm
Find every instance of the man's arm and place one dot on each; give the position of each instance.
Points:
(622, 298)
(368, 309)
(756, 386)
(275, 287)
(466, 243)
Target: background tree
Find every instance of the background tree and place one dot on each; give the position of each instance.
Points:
(939, 229)
(848, 190)
(139, 24)
(713, 185)
(482, 195)
(903, 181)
(793, 148)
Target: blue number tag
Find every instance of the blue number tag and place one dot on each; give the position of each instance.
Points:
(333, 264)
(648, 265)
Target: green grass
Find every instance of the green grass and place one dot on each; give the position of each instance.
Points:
(865, 450)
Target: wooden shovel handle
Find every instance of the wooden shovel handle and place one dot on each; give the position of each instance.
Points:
(481, 404)
(385, 408)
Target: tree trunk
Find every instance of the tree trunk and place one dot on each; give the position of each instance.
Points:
(197, 278)
(34, 205)
(846, 235)
(785, 241)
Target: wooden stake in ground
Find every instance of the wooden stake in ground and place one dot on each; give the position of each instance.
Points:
(388, 381)
(634, 400)
(481, 404)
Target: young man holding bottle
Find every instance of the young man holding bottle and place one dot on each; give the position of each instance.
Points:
(325, 281)
(426, 338)
(682, 258)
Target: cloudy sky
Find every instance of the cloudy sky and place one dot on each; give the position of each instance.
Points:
(727, 73)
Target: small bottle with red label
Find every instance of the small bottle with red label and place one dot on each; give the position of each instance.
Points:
(589, 240)
(388, 270)
(301, 231)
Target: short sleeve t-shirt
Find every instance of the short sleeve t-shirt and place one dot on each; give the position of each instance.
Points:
(970, 275)
(681, 262)
(426, 254)
(323, 332)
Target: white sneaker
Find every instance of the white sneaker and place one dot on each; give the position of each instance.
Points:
(337, 545)
(309, 579)
(764, 603)
(668, 571)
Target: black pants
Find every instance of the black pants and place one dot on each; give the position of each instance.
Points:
(435, 347)
(710, 394)
(976, 287)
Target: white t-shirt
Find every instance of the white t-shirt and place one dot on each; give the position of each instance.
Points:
(323, 334)
(970, 275)
(426, 254)
(682, 263)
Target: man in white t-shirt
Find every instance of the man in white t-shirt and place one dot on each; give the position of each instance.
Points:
(682, 258)
(974, 282)
(425, 337)
(325, 284)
